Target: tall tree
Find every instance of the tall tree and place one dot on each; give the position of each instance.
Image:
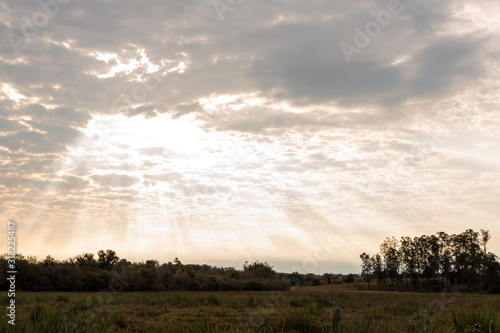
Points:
(408, 258)
(378, 269)
(485, 237)
(366, 268)
(459, 259)
(390, 253)
(445, 256)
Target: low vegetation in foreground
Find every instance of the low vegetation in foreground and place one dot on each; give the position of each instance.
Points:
(307, 309)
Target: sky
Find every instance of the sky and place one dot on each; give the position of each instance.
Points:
(301, 133)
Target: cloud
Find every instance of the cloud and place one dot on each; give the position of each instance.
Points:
(253, 116)
(116, 180)
(306, 66)
(75, 183)
(7, 125)
(443, 66)
(152, 150)
(166, 177)
(37, 129)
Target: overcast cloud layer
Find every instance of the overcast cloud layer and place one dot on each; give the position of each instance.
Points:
(243, 130)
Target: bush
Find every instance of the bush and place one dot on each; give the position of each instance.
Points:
(253, 285)
(349, 278)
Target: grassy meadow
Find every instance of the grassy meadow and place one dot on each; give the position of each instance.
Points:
(307, 309)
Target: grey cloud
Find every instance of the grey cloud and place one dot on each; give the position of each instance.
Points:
(27, 140)
(116, 180)
(55, 140)
(443, 66)
(75, 183)
(53, 131)
(7, 125)
(309, 74)
(34, 164)
(61, 116)
(184, 109)
(26, 184)
(270, 121)
(148, 111)
(307, 77)
(297, 60)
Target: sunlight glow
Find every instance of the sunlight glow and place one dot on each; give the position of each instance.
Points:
(12, 93)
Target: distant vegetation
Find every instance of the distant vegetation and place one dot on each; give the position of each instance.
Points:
(434, 263)
(107, 272)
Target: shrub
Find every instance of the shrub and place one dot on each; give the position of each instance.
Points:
(348, 278)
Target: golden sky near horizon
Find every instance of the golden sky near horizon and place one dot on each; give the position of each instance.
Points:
(223, 131)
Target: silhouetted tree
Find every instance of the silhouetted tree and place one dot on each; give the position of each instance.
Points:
(485, 237)
(86, 259)
(107, 259)
(259, 269)
(458, 259)
(366, 268)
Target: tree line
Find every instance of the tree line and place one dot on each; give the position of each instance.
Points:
(108, 272)
(434, 263)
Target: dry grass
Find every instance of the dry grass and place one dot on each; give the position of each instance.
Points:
(303, 310)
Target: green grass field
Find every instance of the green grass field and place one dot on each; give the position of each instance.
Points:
(307, 309)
